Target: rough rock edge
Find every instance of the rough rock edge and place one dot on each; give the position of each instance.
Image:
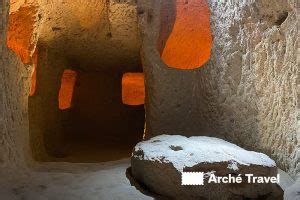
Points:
(183, 152)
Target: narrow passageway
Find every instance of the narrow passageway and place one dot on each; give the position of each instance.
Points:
(76, 104)
(80, 113)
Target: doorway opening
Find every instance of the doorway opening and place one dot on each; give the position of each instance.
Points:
(80, 114)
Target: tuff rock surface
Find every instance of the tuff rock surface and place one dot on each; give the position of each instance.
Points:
(246, 93)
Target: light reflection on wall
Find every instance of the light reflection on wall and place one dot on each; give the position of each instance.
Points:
(65, 96)
(133, 89)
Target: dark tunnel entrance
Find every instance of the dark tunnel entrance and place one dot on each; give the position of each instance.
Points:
(99, 122)
(78, 114)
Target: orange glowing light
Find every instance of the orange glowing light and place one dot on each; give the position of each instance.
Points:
(33, 78)
(20, 32)
(133, 89)
(66, 89)
(188, 45)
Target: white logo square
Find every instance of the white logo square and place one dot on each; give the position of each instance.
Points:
(192, 178)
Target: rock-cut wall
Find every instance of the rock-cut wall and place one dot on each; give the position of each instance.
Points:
(250, 84)
(14, 89)
(245, 93)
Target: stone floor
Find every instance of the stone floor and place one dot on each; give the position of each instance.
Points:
(67, 181)
(71, 181)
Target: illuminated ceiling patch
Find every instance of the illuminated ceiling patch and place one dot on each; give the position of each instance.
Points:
(189, 43)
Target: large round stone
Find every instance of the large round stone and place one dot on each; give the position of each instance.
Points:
(157, 165)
